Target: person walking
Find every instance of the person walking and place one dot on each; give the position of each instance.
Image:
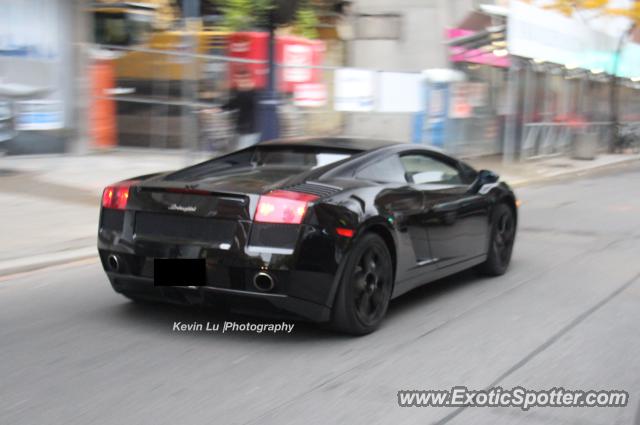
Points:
(244, 101)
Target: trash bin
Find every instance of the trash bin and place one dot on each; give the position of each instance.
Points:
(584, 145)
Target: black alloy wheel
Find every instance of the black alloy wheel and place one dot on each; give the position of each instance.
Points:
(503, 232)
(365, 287)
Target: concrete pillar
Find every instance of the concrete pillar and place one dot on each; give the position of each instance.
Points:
(80, 100)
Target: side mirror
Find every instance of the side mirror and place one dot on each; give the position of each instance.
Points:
(483, 177)
(487, 177)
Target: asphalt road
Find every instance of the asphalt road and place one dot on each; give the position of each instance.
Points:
(567, 314)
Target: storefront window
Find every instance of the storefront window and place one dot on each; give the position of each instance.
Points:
(121, 29)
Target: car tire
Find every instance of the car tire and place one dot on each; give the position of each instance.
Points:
(503, 232)
(365, 286)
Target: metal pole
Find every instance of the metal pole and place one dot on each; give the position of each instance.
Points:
(269, 124)
(509, 154)
(613, 93)
(190, 12)
(82, 92)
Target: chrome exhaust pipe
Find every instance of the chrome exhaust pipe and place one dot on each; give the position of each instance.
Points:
(263, 282)
(114, 262)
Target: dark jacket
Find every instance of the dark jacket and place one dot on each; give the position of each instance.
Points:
(245, 103)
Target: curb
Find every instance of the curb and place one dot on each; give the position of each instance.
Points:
(573, 173)
(27, 264)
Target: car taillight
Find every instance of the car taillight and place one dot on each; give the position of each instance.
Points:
(344, 232)
(281, 206)
(116, 196)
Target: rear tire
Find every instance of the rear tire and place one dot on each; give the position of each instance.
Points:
(365, 287)
(503, 232)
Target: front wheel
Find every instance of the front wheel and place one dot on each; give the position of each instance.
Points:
(365, 287)
(503, 233)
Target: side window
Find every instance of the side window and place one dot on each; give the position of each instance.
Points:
(420, 169)
(387, 170)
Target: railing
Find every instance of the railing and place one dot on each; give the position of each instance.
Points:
(544, 139)
(167, 109)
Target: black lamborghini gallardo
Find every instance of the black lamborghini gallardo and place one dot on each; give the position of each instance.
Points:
(324, 229)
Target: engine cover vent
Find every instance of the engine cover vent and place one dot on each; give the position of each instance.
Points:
(314, 188)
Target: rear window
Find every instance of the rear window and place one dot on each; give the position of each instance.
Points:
(292, 157)
(302, 157)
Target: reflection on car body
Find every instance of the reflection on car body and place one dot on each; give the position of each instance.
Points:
(328, 230)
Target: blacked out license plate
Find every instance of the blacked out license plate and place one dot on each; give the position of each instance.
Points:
(179, 272)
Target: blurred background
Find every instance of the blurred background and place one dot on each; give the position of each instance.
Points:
(514, 80)
(544, 92)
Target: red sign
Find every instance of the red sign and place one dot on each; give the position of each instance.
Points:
(294, 55)
(310, 94)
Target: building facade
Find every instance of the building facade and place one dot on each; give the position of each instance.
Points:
(405, 36)
(533, 81)
(39, 71)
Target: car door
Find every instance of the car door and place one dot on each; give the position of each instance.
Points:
(456, 220)
(403, 204)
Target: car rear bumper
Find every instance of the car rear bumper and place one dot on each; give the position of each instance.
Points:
(244, 301)
(303, 287)
(303, 260)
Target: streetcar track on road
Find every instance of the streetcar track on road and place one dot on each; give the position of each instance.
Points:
(379, 358)
(372, 362)
(549, 342)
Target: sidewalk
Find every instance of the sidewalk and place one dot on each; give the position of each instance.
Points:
(50, 203)
(529, 172)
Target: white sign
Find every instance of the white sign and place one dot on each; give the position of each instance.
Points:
(401, 92)
(354, 90)
(295, 56)
(310, 94)
(39, 115)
